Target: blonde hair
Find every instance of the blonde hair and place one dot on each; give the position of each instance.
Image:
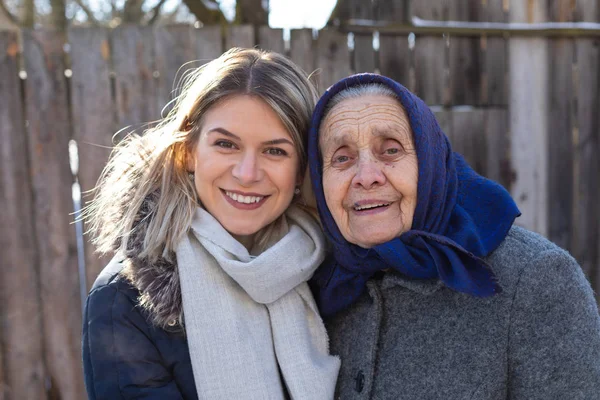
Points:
(153, 166)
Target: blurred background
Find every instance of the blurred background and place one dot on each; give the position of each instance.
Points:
(515, 84)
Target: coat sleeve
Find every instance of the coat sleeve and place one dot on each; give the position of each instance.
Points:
(554, 338)
(120, 359)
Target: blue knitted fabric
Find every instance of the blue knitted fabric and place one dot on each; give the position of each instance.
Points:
(460, 216)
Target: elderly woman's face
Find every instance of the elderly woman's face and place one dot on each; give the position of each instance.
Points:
(370, 169)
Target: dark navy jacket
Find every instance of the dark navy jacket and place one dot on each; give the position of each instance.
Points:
(124, 355)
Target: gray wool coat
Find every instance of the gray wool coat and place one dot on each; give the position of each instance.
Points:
(538, 339)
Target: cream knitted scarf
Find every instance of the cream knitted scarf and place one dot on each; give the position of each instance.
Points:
(251, 322)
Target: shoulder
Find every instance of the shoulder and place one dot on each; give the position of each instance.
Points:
(535, 272)
(111, 292)
(524, 253)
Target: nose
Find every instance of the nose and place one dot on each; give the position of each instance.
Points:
(369, 173)
(247, 170)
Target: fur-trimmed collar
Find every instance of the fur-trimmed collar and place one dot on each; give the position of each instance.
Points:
(157, 281)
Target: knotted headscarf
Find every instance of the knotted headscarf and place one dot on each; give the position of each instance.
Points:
(460, 216)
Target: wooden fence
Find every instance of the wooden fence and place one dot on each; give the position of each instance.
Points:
(103, 80)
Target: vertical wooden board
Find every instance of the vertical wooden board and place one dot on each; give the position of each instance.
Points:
(465, 71)
(586, 201)
(363, 54)
(49, 131)
(560, 147)
(464, 56)
(208, 43)
(20, 309)
(393, 10)
(49, 134)
(429, 69)
(494, 88)
(133, 63)
(240, 36)
(430, 54)
(175, 53)
(271, 39)
(3, 385)
(394, 59)
(528, 108)
(498, 146)
(468, 137)
(302, 49)
(93, 118)
(333, 58)
(444, 120)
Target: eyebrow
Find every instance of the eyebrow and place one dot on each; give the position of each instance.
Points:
(273, 142)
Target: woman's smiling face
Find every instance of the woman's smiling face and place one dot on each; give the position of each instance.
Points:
(246, 165)
(370, 169)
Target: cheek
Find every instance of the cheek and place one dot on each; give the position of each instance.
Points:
(335, 192)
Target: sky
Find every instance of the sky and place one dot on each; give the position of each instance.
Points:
(284, 13)
(293, 13)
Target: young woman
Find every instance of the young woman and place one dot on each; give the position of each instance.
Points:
(207, 296)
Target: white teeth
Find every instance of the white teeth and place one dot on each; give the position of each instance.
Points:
(368, 206)
(244, 199)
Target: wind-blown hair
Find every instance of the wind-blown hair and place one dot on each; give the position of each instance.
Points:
(150, 170)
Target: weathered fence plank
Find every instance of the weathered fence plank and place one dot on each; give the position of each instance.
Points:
(333, 58)
(240, 36)
(93, 118)
(395, 59)
(302, 49)
(497, 145)
(560, 136)
(3, 387)
(586, 147)
(528, 102)
(175, 54)
(464, 56)
(430, 57)
(494, 83)
(444, 119)
(208, 43)
(135, 87)
(468, 136)
(20, 317)
(363, 54)
(49, 130)
(271, 39)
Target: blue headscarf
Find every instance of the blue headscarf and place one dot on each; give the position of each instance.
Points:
(460, 216)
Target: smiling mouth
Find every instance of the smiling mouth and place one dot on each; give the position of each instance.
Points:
(366, 207)
(243, 199)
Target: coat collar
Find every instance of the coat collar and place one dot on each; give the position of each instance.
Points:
(422, 286)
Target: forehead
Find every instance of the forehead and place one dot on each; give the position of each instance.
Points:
(246, 116)
(368, 113)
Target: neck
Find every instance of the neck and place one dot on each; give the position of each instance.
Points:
(246, 240)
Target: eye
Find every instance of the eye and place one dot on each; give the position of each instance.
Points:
(392, 148)
(341, 157)
(225, 144)
(276, 151)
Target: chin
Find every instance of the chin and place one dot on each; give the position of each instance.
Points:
(373, 240)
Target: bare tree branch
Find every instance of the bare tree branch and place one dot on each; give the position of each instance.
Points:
(88, 12)
(132, 11)
(28, 19)
(156, 12)
(206, 11)
(12, 18)
(59, 15)
(251, 12)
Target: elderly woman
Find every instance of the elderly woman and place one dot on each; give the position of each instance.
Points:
(431, 292)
